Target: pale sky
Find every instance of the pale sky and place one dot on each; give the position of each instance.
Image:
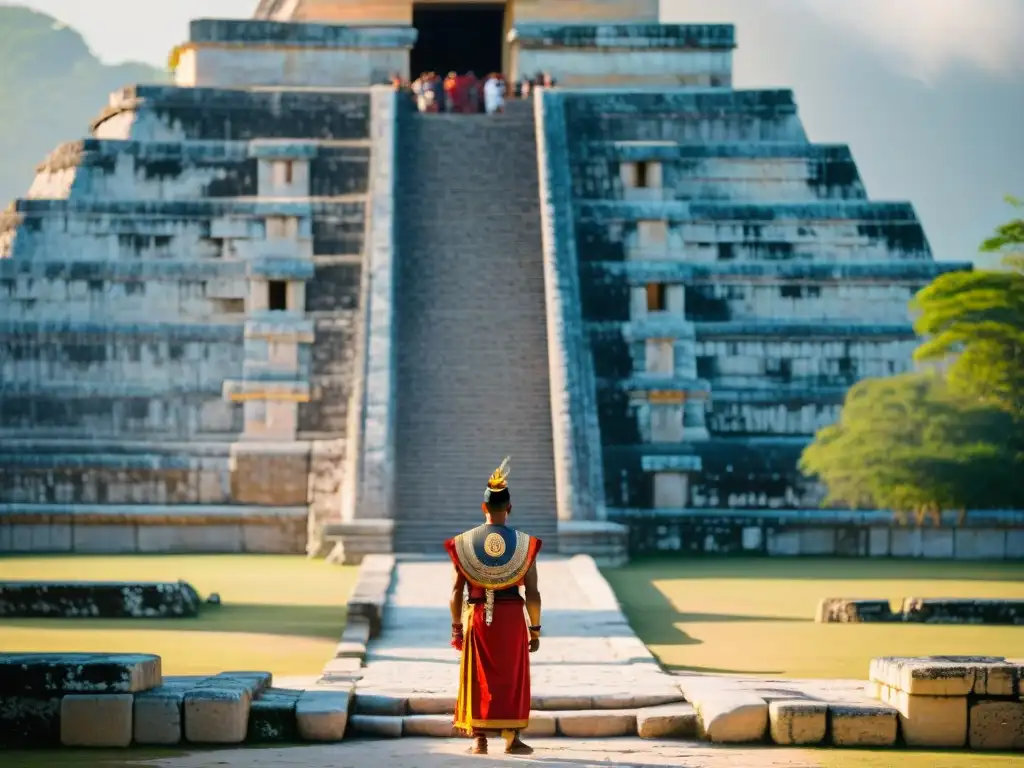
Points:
(929, 94)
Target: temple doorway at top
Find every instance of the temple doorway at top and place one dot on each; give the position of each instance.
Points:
(458, 37)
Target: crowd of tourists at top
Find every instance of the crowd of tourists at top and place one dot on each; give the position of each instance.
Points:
(468, 94)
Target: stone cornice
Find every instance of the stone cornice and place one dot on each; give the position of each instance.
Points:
(640, 273)
(846, 211)
(259, 32)
(155, 331)
(706, 37)
(672, 327)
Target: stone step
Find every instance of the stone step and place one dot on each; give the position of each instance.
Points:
(383, 703)
(468, 226)
(667, 721)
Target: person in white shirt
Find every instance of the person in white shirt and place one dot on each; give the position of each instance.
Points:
(494, 94)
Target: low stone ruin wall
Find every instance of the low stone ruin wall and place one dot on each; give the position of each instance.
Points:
(151, 528)
(984, 535)
(921, 610)
(99, 700)
(98, 600)
(954, 701)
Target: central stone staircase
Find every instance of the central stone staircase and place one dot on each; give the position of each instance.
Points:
(472, 336)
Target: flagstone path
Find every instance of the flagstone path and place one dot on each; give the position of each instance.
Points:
(588, 650)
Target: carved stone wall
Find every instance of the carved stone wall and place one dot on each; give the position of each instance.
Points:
(735, 281)
(181, 304)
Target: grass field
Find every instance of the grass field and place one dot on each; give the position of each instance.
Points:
(282, 614)
(756, 616)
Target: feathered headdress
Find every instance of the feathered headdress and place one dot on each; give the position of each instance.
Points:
(498, 481)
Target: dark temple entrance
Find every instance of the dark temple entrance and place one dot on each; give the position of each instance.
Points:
(458, 37)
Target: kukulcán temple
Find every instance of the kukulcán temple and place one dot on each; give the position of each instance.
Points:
(272, 308)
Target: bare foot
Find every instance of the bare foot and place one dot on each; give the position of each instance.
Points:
(479, 746)
(518, 747)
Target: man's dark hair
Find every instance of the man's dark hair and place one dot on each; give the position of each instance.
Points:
(498, 501)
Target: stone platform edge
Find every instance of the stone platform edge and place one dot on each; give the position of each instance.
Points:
(152, 529)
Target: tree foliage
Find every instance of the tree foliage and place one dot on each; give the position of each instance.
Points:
(974, 322)
(912, 444)
(951, 438)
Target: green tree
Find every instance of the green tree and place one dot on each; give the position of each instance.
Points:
(974, 322)
(912, 444)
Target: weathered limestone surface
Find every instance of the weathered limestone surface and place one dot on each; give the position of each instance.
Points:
(45, 675)
(323, 715)
(96, 720)
(945, 611)
(863, 725)
(669, 721)
(29, 721)
(997, 725)
(411, 668)
(158, 717)
(730, 717)
(272, 716)
(798, 721)
(844, 610)
(944, 675)
(143, 340)
(98, 600)
(719, 251)
(216, 711)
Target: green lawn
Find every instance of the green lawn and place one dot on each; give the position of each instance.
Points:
(756, 616)
(282, 614)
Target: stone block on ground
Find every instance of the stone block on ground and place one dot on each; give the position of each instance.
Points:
(427, 704)
(322, 715)
(436, 726)
(96, 720)
(930, 721)
(216, 711)
(731, 717)
(994, 611)
(596, 724)
(272, 716)
(42, 674)
(996, 725)
(844, 610)
(543, 725)
(998, 679)
(157, 713)
(342, 669)
(561, 703)
(863, 725)
(634, 700)
(380, 704)
(797, 721)
(929, 676)
(667, 721)
(27, 721)
(98, 600)
(375, 726)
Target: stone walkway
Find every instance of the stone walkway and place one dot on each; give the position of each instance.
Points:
(435, 753)
(588, 651)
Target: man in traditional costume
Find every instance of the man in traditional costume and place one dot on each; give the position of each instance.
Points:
(493, 635)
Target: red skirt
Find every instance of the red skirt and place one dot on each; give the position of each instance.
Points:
(494, 676)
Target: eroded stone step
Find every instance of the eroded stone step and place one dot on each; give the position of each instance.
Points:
(669, 721)
(383, 703)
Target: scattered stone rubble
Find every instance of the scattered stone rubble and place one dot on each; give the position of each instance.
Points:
(921, 610)
(98, 600)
